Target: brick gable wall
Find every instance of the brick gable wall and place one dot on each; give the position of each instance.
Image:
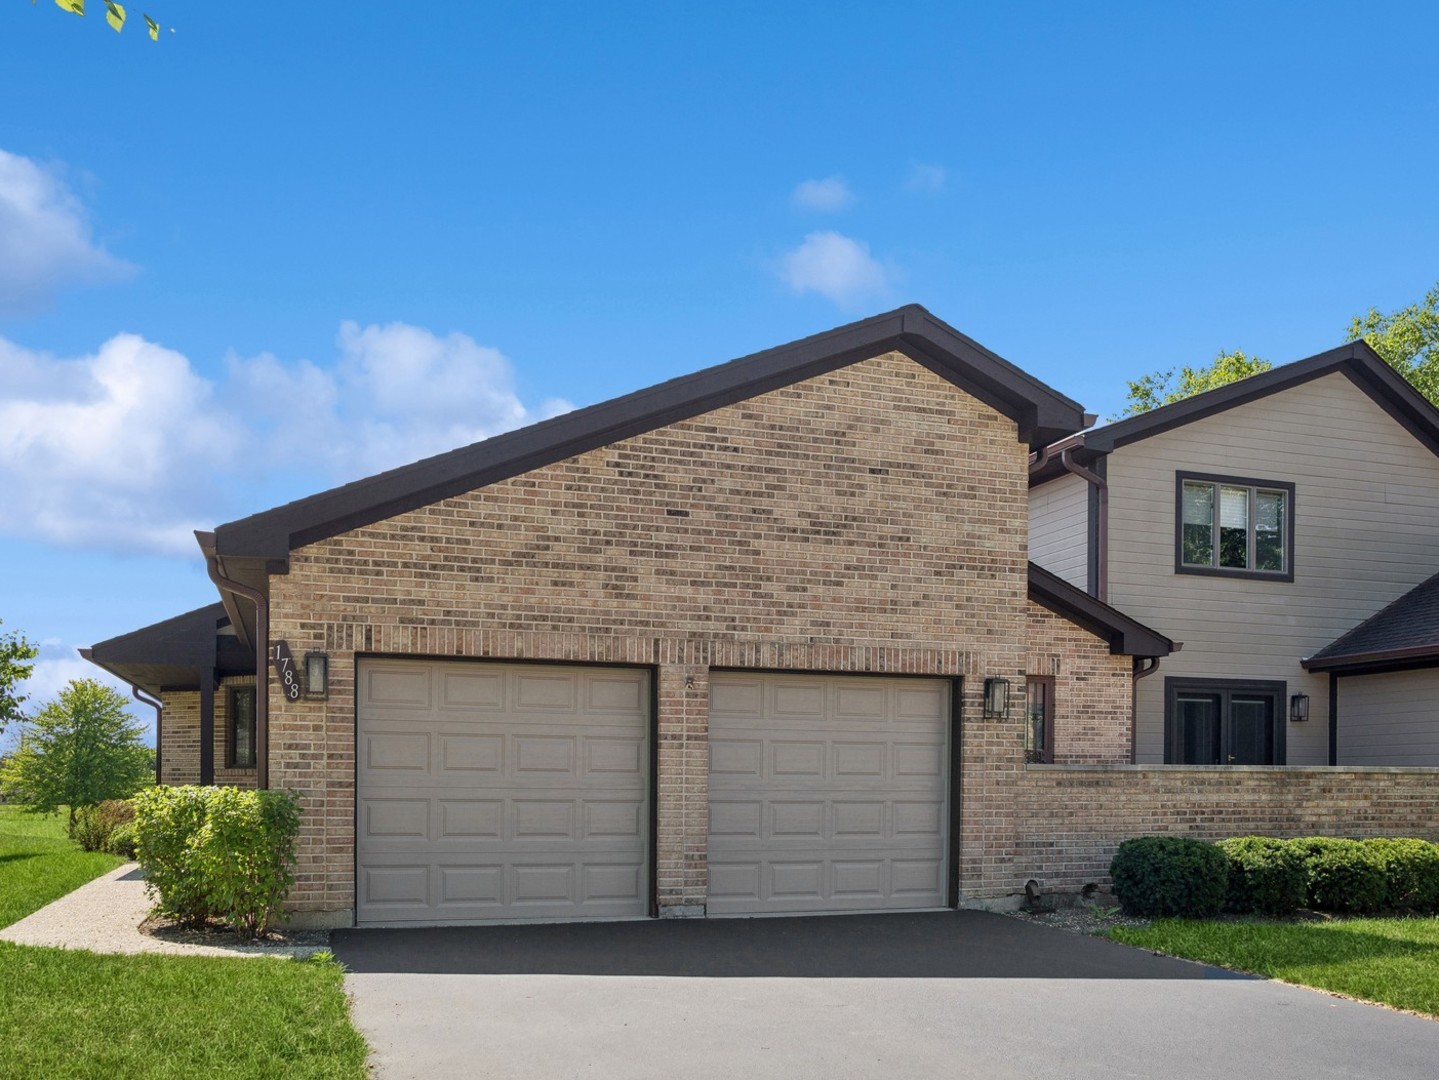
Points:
(869, 520)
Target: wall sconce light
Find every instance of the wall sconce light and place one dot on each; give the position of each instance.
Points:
(996, 698)
(1299, 707)
(317, 675)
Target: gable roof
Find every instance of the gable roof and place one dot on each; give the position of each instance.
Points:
(1404, 634)
(1356, 360)
(1042, 414)
(174, 653)
(1125, 636)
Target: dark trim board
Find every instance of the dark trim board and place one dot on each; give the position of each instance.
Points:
(1095, 558)
(1290, 527)
(1333, 718)
(1126, 636)
(1041, 414)
(956, 787)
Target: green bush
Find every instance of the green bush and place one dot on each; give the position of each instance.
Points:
(1170, 875)
(1265, 875)
(1411, 872)
(122, 841)
(1342, 875)
(218, 853)
(92, 826)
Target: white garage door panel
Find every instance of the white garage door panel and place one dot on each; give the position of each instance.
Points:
(501, 791)
(827, 793)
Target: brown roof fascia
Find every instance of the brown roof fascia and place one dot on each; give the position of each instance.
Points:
(1372, 663)
(1364, 367)
(1042, 414)
(1126, 636)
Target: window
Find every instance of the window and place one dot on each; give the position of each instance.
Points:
(1223, 722)
(241, 734)
(1234, 527)
(1039, 720)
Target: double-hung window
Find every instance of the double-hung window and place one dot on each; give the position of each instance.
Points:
(1234, 527)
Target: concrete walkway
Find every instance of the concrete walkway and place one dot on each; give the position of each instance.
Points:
(951, 995)
(104, 916)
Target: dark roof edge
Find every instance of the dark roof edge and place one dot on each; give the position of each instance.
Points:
(1126, 636)
(1376, 661)
(1356, 359)
(1041, 413)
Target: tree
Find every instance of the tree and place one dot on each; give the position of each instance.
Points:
(1407, 339)
(14, 652)
(78, 751)
(1161, 387)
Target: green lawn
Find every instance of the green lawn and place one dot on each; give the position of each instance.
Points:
(66, 1013)
(1393, 961)
(38, 863)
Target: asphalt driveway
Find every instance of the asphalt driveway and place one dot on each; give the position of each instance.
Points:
(944, 994)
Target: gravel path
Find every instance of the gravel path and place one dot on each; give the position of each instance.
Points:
(104, 916)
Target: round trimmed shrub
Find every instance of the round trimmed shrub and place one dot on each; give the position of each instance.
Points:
(1411, 872)
(1170, 875)
(1265, 875)
(1342, 875)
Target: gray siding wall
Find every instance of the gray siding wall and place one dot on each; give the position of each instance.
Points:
(1389, 719)
(1059, 529)
(1367, 496)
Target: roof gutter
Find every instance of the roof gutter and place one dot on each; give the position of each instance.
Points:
(262, 650)
(1101, 538)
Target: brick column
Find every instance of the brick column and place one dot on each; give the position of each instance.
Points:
(682, 801)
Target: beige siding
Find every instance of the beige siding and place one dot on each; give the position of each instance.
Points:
(1389, 719)
(1059, 529)
(1367, 500)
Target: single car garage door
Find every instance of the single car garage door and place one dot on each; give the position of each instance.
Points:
(827, 793)
(501, 791)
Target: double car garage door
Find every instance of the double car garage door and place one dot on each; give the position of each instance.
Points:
(522, 791)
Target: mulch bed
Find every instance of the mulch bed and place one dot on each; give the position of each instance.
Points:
(214, 933)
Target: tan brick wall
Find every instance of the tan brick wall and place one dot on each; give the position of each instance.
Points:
(1072, 819)
(870, 520)
(180, 750)
(1092, 690)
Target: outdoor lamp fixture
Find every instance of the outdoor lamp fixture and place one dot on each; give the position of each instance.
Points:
(996, 697)
(317, 674)
(1298, 707)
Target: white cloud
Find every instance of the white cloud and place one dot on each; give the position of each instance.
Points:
(826, 196)
(926, 179)
(131, 449)
(45, 240)
(835, 266)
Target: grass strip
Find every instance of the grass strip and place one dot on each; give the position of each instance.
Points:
(39, 863)
(67, 1013)
(1392, 961)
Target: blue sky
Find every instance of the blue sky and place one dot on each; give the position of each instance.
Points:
(291, 244)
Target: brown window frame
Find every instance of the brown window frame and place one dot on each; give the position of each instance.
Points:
(232, 760)
(1254, 486)
(1043, 755)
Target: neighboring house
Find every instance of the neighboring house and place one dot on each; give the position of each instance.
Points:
(1285, 528)
(762, 639)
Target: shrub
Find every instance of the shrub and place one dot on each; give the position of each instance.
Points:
(1265, 875)
(1411, 872)
(122, 841)
(1342, 875)
(1170, 875)
(92, 826)
(218, 852)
